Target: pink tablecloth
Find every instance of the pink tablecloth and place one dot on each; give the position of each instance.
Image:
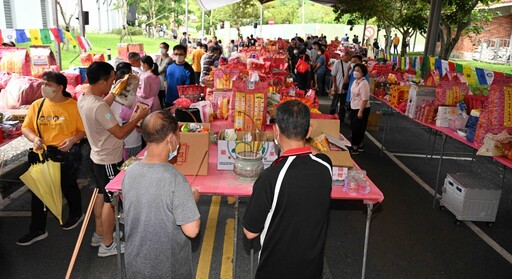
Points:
(452, 134)
(222, 182)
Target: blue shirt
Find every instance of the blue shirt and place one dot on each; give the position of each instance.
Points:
(322, 68)
(351, 79)
(176, 75)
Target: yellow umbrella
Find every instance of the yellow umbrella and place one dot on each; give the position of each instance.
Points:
(44, 180)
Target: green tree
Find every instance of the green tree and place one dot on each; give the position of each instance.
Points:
(152, 10)
(406, 16)
(458, 17)
(239, 14)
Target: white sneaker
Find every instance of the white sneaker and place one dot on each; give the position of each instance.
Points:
(104, 251)
(96, 239)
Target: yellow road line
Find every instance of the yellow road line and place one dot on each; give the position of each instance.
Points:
(231, 200)
(205, 258)
(226, 271)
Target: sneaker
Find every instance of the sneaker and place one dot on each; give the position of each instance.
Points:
(98, 239)
(361, 148)
(105, 251)
(72, 222)
(32, 237)
(354, 151)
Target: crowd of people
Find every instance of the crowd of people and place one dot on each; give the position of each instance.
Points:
(115, 133)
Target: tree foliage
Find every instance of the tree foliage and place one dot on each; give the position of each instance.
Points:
(239, 14)
(406, 16)
(458, 17)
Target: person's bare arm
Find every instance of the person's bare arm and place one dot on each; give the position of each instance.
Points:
(109, 99)
(250, 235)
(66, 145)
(191, 229)
(121, 132)
(31, 136)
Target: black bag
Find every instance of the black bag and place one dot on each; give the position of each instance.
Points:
(188, 115)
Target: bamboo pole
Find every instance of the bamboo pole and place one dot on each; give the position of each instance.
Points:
(82, 232)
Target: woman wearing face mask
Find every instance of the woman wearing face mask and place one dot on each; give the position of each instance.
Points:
(149, 84)
(162, 61)
(320, 70)
(360, 105)
(54, 123)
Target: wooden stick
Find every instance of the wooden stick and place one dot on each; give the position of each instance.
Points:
(82, 232)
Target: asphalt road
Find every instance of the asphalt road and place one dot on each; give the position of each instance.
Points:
(408, 237)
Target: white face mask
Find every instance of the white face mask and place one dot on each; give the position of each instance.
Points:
(47, 92)
(163, 51)
(357, 74)
(295, 52)
(180, 59)
(173, 153)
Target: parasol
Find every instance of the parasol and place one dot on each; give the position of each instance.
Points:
(43, 179)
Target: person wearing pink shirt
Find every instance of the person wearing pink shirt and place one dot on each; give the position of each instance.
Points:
(149, 84)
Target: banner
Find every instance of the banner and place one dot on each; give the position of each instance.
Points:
(45, 36)
(432, 62)
(35, 37)
(56, 35)
(70, 38)
(80, 43)
(9, 35)
(468, 73)
(21, 36)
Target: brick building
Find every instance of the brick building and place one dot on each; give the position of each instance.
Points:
(499, 28)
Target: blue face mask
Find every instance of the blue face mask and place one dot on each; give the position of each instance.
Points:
(174, 153)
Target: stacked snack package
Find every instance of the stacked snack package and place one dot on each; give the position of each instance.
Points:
(250, 105)
(497, 116)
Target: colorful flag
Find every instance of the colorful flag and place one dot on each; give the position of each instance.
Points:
(45, 36)
(439, 66)
(432, 62)
(56, 35)
(35, 37)
(80, 43)
(62, 36)
(459, 68)
(480, 74)
(444, 66)
(21, 36)
(9, 35)
(469, 74)
(451, 66)
(87, 43)
(70, 38)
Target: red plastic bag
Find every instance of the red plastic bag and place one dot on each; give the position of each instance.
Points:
(302, 66)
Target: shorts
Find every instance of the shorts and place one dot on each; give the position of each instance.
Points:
(105, 173)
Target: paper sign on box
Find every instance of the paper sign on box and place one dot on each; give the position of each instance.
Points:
(192, 158)
(227, 149)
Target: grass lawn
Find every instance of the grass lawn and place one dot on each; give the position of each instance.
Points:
(100, 43)
(505, 68)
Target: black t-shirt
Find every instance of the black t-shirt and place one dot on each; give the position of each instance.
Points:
(293, 234)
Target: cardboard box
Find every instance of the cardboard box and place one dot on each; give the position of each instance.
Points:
(136, 47)
(374, 121)
(330, 127)
(193, 154)
(226, 152)
(419, 95)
